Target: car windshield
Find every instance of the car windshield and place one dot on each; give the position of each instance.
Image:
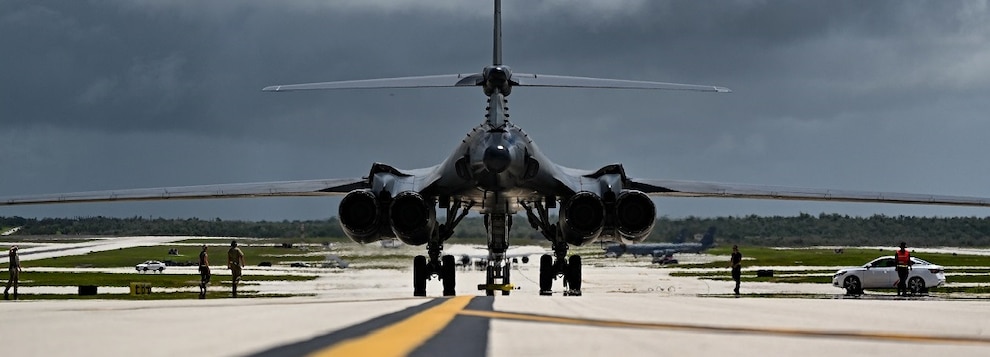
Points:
(920, 261)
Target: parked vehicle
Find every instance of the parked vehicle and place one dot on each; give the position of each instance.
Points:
(152, 265)
(881, 274)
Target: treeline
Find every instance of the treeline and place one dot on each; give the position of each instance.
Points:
(801, 230)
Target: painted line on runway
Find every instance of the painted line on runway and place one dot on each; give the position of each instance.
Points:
(726, 329)
(403, 337)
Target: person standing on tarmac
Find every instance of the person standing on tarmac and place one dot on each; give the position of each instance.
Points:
(903, 259)
(736, 264)
(204, 272)
(15, 273)
(235, 261)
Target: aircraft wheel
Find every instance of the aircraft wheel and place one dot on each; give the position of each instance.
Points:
(573, 275)
(419, 276)
(505, 277)
(489, 280)
(916, 285)
(447, 275)
(853, 286)
(546, 275)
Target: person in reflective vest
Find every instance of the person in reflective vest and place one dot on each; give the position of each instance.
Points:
(903, 259)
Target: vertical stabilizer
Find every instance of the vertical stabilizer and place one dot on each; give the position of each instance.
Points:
(709, 239)
(497, 47)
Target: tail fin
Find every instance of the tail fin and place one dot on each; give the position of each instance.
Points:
(709, 239)
(497, 42)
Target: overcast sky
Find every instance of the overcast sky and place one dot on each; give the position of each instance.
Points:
(877, 96)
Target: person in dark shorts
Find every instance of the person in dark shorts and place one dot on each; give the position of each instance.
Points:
(235, 261)
(15, 273)
(204, 272)
(903, 259)
(736, 264)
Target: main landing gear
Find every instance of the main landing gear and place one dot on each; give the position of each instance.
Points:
(426, 268)
(443, 270)
(557, 265)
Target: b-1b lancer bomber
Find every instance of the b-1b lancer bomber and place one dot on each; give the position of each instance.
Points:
(498, 171)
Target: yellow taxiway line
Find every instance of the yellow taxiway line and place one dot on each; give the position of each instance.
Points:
(401, 338)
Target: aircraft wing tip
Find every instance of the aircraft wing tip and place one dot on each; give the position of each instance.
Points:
(723, 90)
(271, 89)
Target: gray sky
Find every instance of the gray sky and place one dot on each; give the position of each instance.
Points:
(878, 95)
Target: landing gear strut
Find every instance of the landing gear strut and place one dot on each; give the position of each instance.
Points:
(497, 272)
(557, 265)
(425, 268)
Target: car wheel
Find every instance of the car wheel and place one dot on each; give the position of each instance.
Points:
(161, 270)
(916, 285)
(853, 285)
(145, 269)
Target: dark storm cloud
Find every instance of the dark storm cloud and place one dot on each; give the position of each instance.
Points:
(879, 95)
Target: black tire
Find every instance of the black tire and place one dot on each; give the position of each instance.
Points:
(489, 280)
(546, 275)
(419, 276)
(505, 277)
(916, 286)
(853, 285)
(447, 275)
(574, 275)
(161, 270)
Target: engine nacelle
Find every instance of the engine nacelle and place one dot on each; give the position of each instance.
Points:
(582, 218)
(413, 219)
(360, 216)
(635, 215)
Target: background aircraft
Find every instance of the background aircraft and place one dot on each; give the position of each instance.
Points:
(497, 171)
(657, 250)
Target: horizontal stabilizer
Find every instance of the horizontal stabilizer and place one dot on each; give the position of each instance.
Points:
(541, 80)
(444, 80)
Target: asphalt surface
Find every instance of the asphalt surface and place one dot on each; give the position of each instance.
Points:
(626, 310)
(523, 324)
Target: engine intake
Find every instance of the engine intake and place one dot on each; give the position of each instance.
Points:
(413, 219)
(360, 217)
(582, 217)
(635, 215)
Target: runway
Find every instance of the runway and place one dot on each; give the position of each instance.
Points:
(380, 319)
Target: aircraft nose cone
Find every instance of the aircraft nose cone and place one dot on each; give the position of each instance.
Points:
(497, 158)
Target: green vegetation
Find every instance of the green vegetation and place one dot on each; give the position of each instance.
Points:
(31, 278)
(190, 254)
(764, 256)
(154, 296)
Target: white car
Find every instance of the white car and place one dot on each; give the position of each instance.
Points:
(881, 274)
(152, 265)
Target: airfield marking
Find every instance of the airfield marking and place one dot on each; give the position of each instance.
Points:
(726, 329)
(401, 338)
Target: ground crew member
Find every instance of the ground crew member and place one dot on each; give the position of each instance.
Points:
(204, 272)
(736, 264)
(903, 260)
(15, 272)
(235, 261)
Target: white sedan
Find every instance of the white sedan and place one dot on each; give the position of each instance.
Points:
(152, 265)
(881, 274)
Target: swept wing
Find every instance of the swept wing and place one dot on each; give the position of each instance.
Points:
(238, 190)
(676, 188)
